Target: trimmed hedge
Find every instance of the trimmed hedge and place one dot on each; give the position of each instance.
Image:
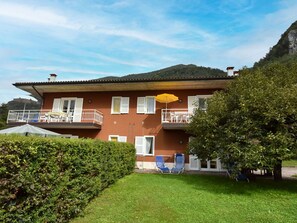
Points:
(53, 179)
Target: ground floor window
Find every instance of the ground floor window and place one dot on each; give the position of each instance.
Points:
(145, 145)
(201, 164)
(117, 138)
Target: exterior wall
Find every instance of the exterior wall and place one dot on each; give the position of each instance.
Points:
(167, 142)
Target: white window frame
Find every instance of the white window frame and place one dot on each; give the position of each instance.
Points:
(124, 105)
(142, 105)
(192, 107)
(119, 138)
(78, 107)
(142, 145)
(195, 164)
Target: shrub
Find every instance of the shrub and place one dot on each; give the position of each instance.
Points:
(52, 179)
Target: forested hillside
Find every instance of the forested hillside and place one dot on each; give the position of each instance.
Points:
(177, 71)
(284, 50)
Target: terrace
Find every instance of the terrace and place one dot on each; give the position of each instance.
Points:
(175, 118)
(86, 119)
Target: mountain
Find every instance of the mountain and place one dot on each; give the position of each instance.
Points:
(23, 103)
(177, 71)
(16, 104)
(285, 49)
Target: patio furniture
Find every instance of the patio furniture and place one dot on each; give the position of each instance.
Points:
(179, 163)
(160, 164)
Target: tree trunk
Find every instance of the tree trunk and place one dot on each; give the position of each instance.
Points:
(277, 171)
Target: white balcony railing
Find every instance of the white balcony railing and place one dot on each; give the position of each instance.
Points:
(176, 116)
(33, 116)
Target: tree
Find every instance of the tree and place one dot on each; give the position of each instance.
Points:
(3, 115)
(253, 123)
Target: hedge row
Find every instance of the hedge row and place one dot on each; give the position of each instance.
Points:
(52, 180)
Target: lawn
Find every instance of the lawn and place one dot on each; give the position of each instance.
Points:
(193, 198)
(289, 163)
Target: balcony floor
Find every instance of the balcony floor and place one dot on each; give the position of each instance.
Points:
(174, 126)
(60, 125)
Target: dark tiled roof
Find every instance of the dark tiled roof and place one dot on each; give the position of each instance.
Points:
(127, 80)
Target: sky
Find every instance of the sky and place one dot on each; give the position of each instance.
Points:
(88, 39)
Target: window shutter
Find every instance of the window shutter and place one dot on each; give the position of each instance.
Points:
(151, 105)
(122, 139)
(139, 142)
(56, 105)
(192, 100)
(78, 110)
(141, 108)
(125, 105)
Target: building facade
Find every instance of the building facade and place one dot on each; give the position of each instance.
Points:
(124, 110)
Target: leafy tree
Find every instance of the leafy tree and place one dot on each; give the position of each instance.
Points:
(3, 115)
(253, 123)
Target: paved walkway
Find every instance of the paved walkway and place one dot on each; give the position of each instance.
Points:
(287, 172)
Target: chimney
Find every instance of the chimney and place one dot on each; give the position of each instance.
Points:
(52, 77)
(230, 71)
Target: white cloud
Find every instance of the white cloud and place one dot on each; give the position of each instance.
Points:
(105, 24)
(35, 15)
(68, 70)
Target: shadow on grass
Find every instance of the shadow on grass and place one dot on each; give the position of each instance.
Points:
(224, 185)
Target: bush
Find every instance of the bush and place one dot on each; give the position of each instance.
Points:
(52, 179)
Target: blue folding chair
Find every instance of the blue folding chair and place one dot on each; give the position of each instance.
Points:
(160, 164)
(179, 163)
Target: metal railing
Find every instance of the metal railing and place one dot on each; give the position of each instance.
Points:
(33, 116)
(176, 116)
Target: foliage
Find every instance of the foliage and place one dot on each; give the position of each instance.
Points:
(3, 115)
(23, 103)
(177, 71)
(280, 50)
(193, 198)
(51, 180)
(254, 122)
(290, 163)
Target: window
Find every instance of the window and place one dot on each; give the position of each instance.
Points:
(68, 105)
(117, 138)
(145, 145)
(198, 101)
(71, 106)
(120, 105)
(146, 105)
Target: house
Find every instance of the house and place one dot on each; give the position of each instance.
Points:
(125, 110)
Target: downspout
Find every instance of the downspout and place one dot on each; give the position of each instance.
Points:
(39, 95)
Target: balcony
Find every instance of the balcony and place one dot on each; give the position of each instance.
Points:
(86, 119)
(175, 119)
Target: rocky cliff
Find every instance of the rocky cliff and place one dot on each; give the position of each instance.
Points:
(292, 37)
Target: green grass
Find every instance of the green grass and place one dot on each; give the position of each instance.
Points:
(193, 198)
(289, 163)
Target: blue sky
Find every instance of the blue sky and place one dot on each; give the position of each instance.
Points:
(85, 39)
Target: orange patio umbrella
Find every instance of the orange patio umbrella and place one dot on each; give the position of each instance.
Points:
(166, 98)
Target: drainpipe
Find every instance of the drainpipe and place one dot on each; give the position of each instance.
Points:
(39, 95)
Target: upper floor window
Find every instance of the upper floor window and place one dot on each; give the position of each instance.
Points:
(72, 107)
(197, 102)
(120, 105)
(146, 105)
